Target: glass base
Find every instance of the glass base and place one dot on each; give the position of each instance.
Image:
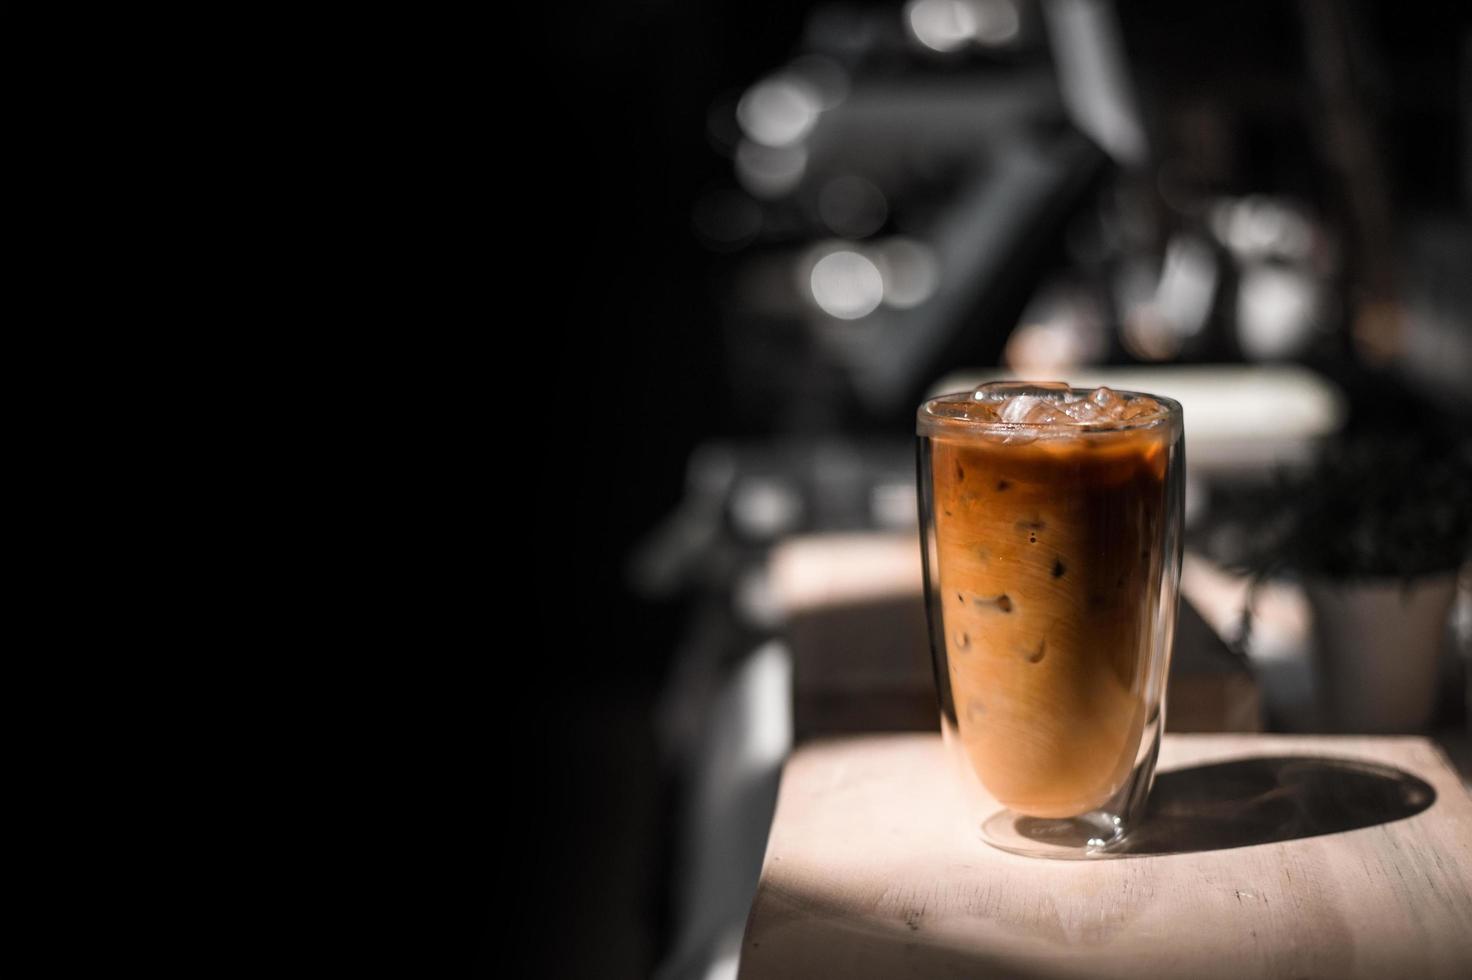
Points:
(1093, 835)
(1101, 833)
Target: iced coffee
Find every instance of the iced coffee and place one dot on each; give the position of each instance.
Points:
(1052, 539)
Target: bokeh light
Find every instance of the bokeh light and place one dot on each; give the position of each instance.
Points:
(910, 271)
(846, 285)
(769, 171)
(941, 25)
(779, 111)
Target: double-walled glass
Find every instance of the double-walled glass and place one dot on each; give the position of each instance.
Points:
(1052, 556)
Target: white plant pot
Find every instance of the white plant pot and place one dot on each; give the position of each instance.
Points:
(1377, 646)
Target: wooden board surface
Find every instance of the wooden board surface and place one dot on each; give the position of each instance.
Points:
(871, 871)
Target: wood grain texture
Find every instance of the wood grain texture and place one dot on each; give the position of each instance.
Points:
(871, 871)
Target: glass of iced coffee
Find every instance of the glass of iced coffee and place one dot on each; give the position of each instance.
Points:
(1051, 532)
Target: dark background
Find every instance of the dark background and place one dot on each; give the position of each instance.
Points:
(628, 356)
(615, 332)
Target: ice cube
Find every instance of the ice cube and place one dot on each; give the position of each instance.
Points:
(1080, 410)
(1018, 407)
(1107, 401)
(1052, 390)
(997, 392)
(1045, 412)
(992, 393)
(979, 412)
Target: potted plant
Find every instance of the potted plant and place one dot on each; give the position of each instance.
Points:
(1376, 531)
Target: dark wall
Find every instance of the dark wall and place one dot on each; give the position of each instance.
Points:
(617, 340)
(618, 156)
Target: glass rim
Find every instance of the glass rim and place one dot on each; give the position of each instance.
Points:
(929, 422)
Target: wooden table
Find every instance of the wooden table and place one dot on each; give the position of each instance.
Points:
(871, 872)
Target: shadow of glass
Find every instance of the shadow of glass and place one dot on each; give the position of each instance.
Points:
(1245, 802)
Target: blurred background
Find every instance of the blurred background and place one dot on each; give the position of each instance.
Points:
(763, 232)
